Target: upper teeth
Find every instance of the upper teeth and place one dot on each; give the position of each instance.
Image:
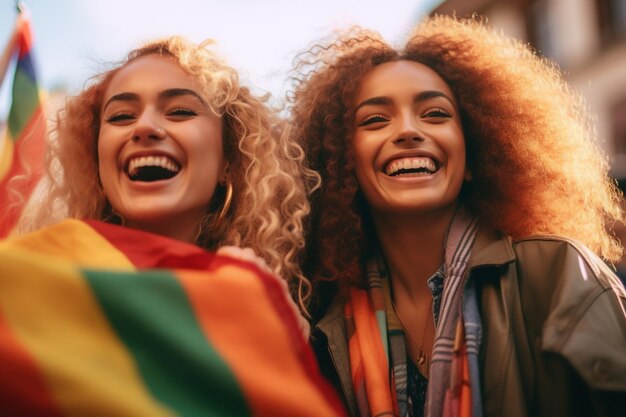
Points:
(145, 161)
(411, 163)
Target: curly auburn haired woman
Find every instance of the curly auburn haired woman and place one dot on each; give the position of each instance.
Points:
(462, 200)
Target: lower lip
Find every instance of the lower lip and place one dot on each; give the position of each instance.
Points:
(412, 178)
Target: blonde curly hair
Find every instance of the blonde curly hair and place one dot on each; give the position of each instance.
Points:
(536, 164)
(269, 201)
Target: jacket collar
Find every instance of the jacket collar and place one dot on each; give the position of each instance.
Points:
(491, 249)
(333, 313)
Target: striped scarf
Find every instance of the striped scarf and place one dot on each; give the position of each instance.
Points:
(100, 320)
(376, 340)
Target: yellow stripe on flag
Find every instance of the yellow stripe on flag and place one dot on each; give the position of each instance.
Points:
(74, 241)
(54, 314)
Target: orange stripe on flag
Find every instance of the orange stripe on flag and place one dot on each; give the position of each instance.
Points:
(6, 154)
(241, 322)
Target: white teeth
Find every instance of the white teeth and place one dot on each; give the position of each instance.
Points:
(411, 163)
(152, 161)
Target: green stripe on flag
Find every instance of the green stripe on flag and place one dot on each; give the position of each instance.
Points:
(154, 319)
(25, 102)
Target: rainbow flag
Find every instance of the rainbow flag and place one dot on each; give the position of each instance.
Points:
(93, 325)
(23, 145)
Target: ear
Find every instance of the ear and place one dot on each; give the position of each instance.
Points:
(468, 175)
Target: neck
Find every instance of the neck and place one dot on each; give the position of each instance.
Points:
(413, 246)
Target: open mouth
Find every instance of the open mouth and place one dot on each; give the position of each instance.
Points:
(411, 167)
(152, 168)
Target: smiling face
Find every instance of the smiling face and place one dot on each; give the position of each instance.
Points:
(408, 140)
(160, 150)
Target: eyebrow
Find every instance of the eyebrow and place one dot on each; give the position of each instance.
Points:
(121, 97)
(176, 92)
(424, 95)
(169, 93)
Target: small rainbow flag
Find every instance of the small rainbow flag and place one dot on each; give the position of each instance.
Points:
(92, 323)
(23, 145)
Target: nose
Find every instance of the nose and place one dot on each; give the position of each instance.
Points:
(148, 127)
(408, 133)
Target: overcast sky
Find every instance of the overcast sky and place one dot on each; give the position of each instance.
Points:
(75, 39)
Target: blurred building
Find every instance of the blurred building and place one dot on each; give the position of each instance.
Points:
(586, 38)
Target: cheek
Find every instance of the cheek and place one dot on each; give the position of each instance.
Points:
(105, 147)
(362, 154)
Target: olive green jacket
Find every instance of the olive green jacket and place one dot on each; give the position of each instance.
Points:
(554, 331)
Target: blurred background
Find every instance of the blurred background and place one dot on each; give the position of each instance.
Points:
(587, 39)
(74, 39)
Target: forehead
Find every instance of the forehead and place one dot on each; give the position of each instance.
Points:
(150, 72)
(398, 77)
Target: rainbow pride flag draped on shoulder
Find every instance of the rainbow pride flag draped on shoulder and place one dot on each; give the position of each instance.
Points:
(100, 320)
(23, 144)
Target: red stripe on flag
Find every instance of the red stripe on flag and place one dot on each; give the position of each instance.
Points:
(28, 394)
(30, 146)
(25, 39)
(149, 250)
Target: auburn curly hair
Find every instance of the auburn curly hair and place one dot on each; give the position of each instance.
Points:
(530, 144)
(269, 202)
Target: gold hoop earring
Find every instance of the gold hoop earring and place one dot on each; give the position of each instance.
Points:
(227, 200)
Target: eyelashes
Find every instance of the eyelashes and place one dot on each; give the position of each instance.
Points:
(176, 113)
(374, 118)
(437, 112)
(181, 111)
(431, 113)
(119, 117)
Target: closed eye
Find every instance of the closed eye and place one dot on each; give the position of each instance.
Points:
(181, 112)
(436, 112)
(120, 117)
(374, 118)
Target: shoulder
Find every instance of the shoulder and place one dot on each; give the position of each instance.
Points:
(548, 261)
(565, 257)
(578, 304)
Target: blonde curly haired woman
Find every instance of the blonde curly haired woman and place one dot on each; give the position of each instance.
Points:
(256, 199)
(157, 161)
